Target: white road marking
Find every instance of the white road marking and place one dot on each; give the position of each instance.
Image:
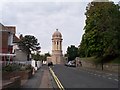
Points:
(109, 74)
(103, 76)
(109, 78)
(116, 79)
(99, 75)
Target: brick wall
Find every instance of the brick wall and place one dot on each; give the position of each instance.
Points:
(4, 39)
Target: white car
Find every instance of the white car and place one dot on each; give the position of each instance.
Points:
(71, 64)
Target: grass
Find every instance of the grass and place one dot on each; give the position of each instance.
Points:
(88, 58)
(116, 60)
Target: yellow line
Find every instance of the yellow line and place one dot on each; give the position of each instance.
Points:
(56, 80)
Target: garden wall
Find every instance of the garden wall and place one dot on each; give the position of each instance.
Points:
(107, 66)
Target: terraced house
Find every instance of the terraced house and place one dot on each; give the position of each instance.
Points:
(7, 35)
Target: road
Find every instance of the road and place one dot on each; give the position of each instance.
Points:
(71, 77)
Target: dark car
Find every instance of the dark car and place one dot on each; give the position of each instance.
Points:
(50, 64)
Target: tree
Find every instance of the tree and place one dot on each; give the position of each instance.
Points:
(72, 52)
(102, 31)
(42, 57)
(29, 43)
(46, 55)
(36, 57)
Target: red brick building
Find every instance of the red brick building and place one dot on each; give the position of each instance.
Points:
(7, 33)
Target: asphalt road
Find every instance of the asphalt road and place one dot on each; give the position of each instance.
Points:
(71, 77)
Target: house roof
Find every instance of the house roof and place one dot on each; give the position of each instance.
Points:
(2, 27)
(15, 39)
(11, 29)
(8, 28)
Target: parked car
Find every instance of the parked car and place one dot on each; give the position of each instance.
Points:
(50, 63)
(70, 64)
(66, 64)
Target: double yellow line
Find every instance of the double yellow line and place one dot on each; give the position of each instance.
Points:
(56, 80)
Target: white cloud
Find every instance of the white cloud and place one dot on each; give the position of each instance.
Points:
(42, 18)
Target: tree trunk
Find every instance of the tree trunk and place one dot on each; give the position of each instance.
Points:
(28, 57)
(102, 64)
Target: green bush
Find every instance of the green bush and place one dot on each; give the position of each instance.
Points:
(16, 67)
(29, 67)
(8, 68)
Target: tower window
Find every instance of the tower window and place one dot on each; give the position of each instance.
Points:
(57, 43)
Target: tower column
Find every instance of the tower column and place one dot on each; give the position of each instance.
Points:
(56, 44)
(59, 45)
(52, 45)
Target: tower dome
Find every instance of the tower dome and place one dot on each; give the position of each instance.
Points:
(56, 34)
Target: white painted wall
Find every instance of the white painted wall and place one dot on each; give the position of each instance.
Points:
(36, 64)
(10, 39)
(20, 56)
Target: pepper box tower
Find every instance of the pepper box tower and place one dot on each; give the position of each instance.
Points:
(57, 55)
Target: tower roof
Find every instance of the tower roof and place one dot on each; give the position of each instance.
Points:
(57, 34)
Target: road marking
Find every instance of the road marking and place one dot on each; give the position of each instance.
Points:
(56, 80)
(116, 79)
(95, 74)
(109, 78)
(99, 75)
(110, 74)
(103, 76)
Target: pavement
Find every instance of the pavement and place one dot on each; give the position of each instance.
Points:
(41, 79)
(34, 81)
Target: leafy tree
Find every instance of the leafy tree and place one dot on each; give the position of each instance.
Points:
(46, 55)
(102, 31)
(81, 48)
(42, 57)
(36, 57)
(72, 52)
(29, 43)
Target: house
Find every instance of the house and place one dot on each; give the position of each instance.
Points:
(9, 49)
(21, 56)
(6, 42)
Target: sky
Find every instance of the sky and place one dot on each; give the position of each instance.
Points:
(41, 18)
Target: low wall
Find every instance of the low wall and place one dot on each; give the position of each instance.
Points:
(23, 74)
(111, 67)
(15, 79)
(106, 66)
(14, 82)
